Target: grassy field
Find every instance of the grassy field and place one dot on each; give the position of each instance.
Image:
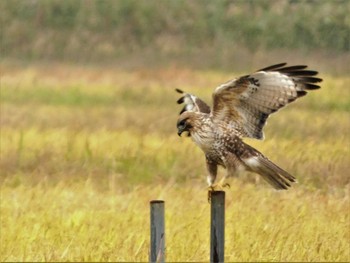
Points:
(84, 150)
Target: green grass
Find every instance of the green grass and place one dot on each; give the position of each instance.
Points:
(84, 150)
(111, 30)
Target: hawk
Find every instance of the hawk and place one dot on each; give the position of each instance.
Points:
(240, 109)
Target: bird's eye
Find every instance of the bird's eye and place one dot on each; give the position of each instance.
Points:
(182, 123)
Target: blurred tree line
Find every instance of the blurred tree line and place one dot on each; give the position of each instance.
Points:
(105, 29)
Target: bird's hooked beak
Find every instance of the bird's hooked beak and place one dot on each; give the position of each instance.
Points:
(180, 130)
(183, 126)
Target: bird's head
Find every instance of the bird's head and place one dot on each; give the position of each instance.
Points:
(184, 123)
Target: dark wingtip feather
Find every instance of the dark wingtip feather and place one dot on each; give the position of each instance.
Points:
(301, 93)
(179, 91)
(182, 111)
(181, 100)
(292, 99)
(304, 76)
(293, 68)
(311, 86)
(308, 80)
(301, 73)
(273, 67)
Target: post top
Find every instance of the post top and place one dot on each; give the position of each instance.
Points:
(157, 202)
(218, 193)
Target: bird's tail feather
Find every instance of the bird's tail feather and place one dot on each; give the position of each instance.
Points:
(274, 175)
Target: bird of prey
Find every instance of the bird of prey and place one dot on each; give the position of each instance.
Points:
(240, 109)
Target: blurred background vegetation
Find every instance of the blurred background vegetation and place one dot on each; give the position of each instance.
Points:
(209, 34)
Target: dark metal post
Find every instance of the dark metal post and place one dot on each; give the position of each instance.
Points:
(157, 232)
(217, 227)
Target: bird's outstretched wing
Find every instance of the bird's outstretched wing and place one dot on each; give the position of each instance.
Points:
(246, 102)
(192, 103)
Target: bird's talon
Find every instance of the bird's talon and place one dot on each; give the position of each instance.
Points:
(210, 190)
(226, 185)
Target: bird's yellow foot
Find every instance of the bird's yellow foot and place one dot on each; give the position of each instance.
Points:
(226, 185)
(216, 187)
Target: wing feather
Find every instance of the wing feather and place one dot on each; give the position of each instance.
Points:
(246, 102)
(192, 103)
(273, 67)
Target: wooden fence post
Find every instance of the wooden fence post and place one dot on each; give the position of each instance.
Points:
(157, 231)
(217, 226)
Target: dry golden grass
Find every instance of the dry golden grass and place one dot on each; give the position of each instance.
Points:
(84, 150)
(74, 221)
